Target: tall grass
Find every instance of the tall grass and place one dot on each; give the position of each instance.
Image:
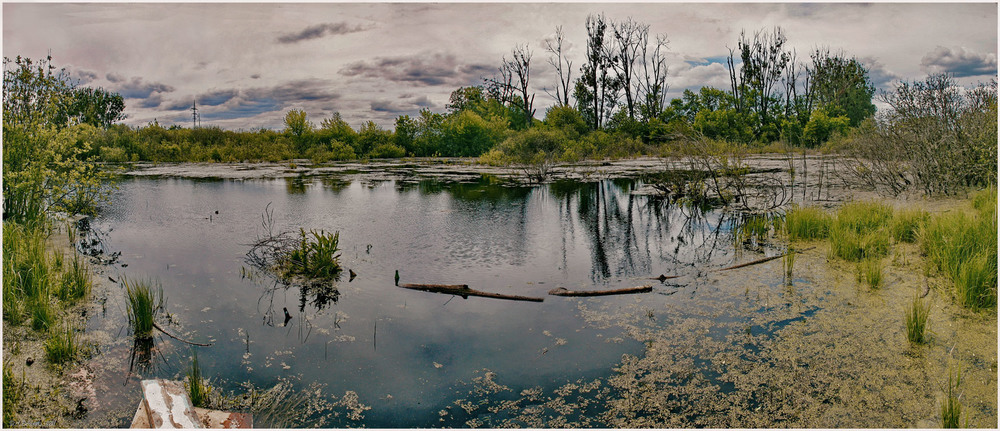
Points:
(197, 389)
(860, 231)
(788, 263)
(143, 305)
(916, 320)
(964, 248)
(43, 316)
(807, 223)
(61, 346)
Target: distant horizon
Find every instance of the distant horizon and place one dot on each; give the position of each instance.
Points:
(248, 64)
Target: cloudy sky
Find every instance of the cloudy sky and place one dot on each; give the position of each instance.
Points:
(249, 63)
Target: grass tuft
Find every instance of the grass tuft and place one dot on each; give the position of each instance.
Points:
(870, 272)
(197, 389)
(916, 320)
(61, 346)
(906, 224)
(860, 231)
(315, 256)
(788, 263)
(807, 223)
(964, 248)
(951, 408)
(76, 281)
(13, 393)
(43, 316)
(144, 303)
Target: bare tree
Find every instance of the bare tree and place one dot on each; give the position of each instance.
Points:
(653, 94)
(520, 68)
(628, 35)
(565, 72)
(753, 83)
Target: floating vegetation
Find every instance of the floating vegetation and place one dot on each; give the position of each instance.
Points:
(284, 406)
(144, 303)
(916, 320)
(313, 256)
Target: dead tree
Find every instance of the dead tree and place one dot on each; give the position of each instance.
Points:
(557, 60)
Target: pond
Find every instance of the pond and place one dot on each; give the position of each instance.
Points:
(741, 348)
(406, 354)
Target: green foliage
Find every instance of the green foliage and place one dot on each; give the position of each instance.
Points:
(916, 320)
(387, 151)
(466, 134)
(534, 150)
(198, 390)
(371, 136)
(61, 346)
(315, 257)
(821, 127)
(807, 223)
(964, 248)
(788, 264)
(43, 317)
(567, 119)
(841, 85)
(144, 303)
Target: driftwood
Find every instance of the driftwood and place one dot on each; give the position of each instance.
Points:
(766, 259)
(465, 292)
(180, 339)
(562, 291)
(664, 277)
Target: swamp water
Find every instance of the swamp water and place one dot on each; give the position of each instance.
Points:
(706, 349)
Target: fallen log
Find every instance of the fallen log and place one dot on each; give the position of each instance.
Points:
(562, 291)
(465, 292)
(766, 259)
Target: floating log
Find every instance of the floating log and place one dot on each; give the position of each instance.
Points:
(766, 259)
(562, 291)
(664, 277)
(465, 292)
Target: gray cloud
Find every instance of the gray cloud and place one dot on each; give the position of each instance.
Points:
(880, 76)
(384, 106)
(421, 69)
(115, 78)
(136, 88)
(216, 98)
(423, 102)
(320, 30)
(150, 102)
(959, 62)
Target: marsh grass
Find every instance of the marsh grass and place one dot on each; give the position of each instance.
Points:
(916, 320)
(61, 346)
(860, 231)
(807, 223)
(906, 224)
(964, 248)
(197, 389)
(76, 281)
(951, 407)
(144, 303)
(870, 272)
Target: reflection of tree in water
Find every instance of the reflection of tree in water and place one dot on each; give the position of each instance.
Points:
(297, 185)
(318, 294)
(630, 233)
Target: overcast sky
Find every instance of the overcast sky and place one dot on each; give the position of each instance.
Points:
(249, 63)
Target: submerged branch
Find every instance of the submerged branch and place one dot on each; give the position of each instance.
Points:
(465, 292)
(562, 291)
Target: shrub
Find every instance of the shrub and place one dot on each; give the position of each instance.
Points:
(13, 392)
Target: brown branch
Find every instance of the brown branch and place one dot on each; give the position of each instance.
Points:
(178, 338)
(766, 259)
(562, 291)
(465, 292)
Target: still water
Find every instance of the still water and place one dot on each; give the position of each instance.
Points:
(408, 355)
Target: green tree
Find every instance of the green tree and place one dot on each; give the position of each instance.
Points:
(372, 136)
(841, 86)
(469, 135)
(567, 119)
(336, 129)
(96, 107)
(298, 127)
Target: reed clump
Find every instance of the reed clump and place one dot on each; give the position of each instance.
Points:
(906, 223)
(144, 303)
(807, 223)
(916, 320)
(788, 264)
(315, 256)
(951, 407)
(76, 281)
